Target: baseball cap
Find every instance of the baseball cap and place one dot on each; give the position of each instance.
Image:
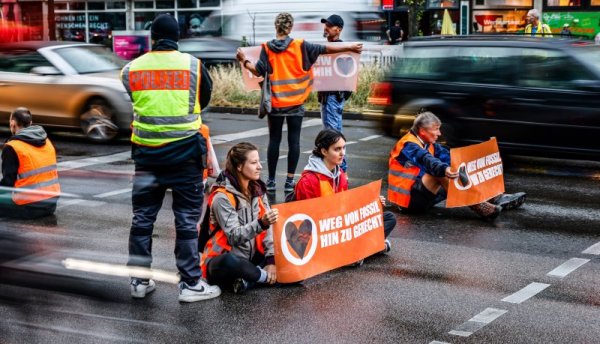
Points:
(334, 20)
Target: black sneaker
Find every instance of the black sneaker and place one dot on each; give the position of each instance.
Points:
(240, 286)
(289, 185)
(509, 201)
(271, 186)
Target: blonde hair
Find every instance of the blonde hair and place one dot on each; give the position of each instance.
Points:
(284, 23)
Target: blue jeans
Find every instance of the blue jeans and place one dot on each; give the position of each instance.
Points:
(149, 187)
(331, 115)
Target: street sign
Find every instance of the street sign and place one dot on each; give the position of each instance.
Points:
(387, 5)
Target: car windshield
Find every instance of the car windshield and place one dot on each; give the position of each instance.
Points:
(90, 59)
(590, 54)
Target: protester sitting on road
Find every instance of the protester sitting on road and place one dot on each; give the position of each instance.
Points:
(419, 172)
(30, 187)
(239, 251)
(323, 175)
(288, 63)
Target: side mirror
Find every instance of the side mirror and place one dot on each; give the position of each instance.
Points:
(45, 70)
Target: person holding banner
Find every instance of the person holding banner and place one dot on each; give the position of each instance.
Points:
(239, 251)
(419, 172)
(288, 63)
(324, 176)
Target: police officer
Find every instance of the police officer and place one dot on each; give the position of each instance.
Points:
(168, 89)
(29, 175)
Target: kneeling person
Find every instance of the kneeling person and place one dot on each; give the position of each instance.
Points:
(30, 187)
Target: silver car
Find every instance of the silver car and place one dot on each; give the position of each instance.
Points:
(65, 85)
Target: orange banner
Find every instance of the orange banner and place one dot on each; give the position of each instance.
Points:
(332, 72)
(321, 234)
(481, 174)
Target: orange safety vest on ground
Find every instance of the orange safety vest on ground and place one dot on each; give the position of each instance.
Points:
(290, 84)
(37, 176)
(218, 243)
(401, 178)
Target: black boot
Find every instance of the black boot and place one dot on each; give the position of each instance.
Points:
(509, 201)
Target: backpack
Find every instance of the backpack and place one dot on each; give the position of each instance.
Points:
(204, 233)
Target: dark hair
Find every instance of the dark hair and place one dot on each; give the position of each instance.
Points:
(237, 156)
(325, 139)
(22, 116)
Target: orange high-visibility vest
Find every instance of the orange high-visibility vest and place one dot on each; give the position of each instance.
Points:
(218, 243)
(205, 132)
(290, 84)
(37, 176)
(401, 178)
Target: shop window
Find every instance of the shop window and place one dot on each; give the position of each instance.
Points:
(503, 3)
(60, 6)
(442, 3)
(595, 3)
(564, 3)
(143, 4)
(499, 21)
(94, 5)
(192, 24)
(143, 20)
(70, 27)
(186, 3)
(165, 4)
(102, 24)
(210, 3)
(115, 5)
(77, 6)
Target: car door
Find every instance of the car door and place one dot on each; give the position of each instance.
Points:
(551, 109)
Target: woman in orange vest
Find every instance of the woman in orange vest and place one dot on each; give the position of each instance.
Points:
(288, 63)
(30, 187)
(239, 251)
(419, 172)
(323, 175)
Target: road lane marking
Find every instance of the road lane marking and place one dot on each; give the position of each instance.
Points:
(106, 159)
(438, 342)
(369, 138)
(62, 329)
(567, 267)
(219, 139)
(594, 249)
(113, 193)
(82, 202)
(526, 293)
(118, 319)
(477, 322)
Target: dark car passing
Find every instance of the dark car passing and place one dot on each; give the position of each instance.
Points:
(536, 96)
(211, 51)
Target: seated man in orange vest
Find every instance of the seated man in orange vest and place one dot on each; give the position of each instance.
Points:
(419, 172)
(29, 185)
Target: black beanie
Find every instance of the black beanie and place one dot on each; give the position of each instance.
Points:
(165, 26)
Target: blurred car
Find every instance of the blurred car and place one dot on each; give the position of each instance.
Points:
(536, 96)
(212, 51)
(65, 85)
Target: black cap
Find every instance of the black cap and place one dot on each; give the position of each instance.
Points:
(165, 26)
(334, 20)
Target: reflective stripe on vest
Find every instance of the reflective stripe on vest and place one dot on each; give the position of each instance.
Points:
(290, 83)
(37, 176)
(218, 243)
(401, 178)
(164, 88)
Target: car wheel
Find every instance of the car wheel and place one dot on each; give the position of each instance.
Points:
(97, 121)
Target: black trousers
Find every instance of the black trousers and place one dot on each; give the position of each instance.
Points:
(224, 269)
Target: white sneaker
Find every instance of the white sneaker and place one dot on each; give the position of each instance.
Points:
(140, 288)
(200, 291)
(388, 246)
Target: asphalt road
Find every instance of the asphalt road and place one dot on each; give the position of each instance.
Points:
(531, 276)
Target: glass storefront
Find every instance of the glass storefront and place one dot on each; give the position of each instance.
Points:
(499, 21)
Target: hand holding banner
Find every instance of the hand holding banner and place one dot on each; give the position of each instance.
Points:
(321, 234)
(480, 174)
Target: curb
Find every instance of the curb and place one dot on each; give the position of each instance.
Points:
(374, 116)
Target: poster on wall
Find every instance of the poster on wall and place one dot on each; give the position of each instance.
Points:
(580, 23)
(131, 44)
(499, 21)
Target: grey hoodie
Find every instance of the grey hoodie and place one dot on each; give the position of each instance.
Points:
(240, 227)
(316, 164)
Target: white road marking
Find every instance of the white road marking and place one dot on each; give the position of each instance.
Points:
(73, 164)
(219, 139)
(350, 142)
(567, 267)
(82, 202)
(594, 249)
(62, 329)
(113, 193)
(477, 322)
(438, 342)
(369, 138)
(524, 294)
(117, 319)
(282, 157)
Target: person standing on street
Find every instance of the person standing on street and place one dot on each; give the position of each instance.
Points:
(419, 172)
(288, 62)
(168, 89)
(566, 32)
(535, 27)
(30, 187)
(332, 102)
(395, 33)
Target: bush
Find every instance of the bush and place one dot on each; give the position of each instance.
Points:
(229, 90)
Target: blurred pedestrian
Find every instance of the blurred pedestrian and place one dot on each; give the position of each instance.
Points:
(332, 102)
(566, 32)
(239, 251)
(30, 187)
(168, 89)
(419, 172)
(323, 175)
(395, 33)
(535, 27)
(288, 62)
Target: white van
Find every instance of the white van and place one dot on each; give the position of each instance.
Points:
(254, 19)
